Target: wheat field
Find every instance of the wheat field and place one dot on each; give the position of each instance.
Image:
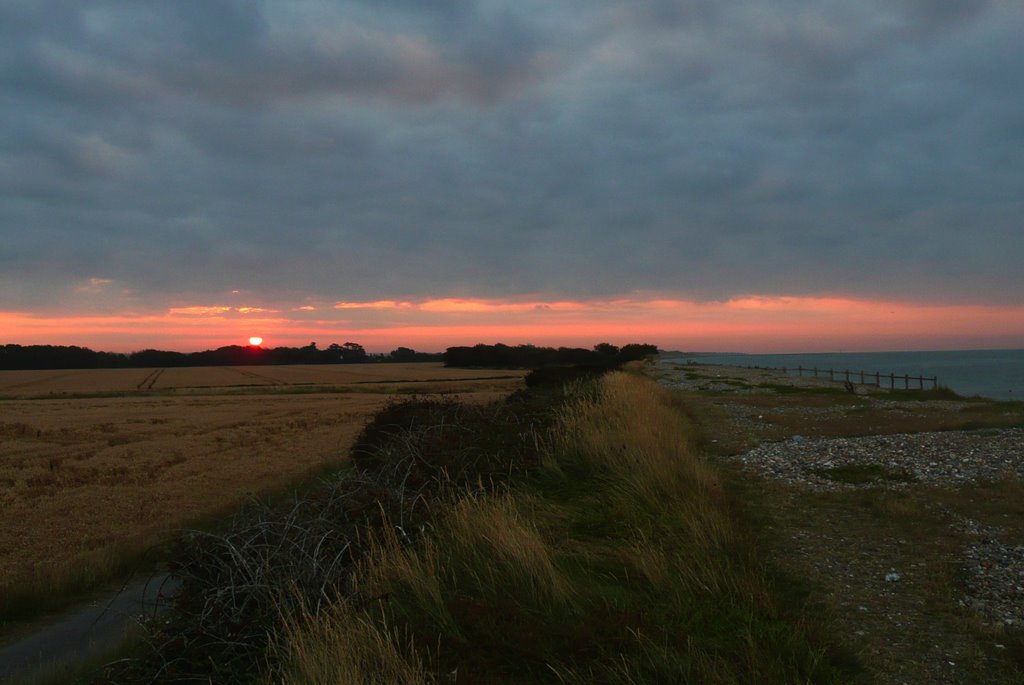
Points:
(99, 463)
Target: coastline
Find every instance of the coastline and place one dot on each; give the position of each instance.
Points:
(994, 374)
(900, 511)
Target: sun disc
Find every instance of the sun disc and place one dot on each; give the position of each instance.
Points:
(255, 340)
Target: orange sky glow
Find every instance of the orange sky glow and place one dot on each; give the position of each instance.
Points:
(748, 324)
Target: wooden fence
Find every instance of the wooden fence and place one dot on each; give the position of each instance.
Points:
(860, 377)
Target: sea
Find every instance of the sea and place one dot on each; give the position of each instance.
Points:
(998, 374)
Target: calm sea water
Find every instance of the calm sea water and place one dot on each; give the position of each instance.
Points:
(990, 373)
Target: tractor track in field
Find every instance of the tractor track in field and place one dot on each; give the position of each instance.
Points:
(259, 377)
(148, 382)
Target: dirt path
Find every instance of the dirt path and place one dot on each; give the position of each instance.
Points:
(95, 627)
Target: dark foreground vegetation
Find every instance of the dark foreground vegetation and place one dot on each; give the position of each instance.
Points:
(557, 536)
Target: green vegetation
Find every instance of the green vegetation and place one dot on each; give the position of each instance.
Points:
(551, 538)
(576, 535)
(939, 393)
(783, 389)
(619, 560)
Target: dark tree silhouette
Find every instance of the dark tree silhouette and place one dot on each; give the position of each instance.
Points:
(495, 356)
(353, 353)
(531, 357)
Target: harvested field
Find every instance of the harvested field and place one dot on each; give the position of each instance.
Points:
(99, 463)
(221, 379)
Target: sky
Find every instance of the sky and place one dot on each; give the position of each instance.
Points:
(757, 175)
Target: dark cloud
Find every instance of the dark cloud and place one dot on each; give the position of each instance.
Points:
(928, 16)
(671, 14)
(466, 148)
(240, 54)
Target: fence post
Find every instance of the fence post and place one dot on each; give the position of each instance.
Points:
(906, 382)
(815, 371)
(800, 371)
(847, 373)
(878, 381)
(862, 378)
(920, 383)
(892, 381)
(831, 376)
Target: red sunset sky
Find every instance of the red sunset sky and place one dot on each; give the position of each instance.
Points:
(747, 324)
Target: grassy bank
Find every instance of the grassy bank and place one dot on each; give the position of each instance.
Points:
(620, 560)
(550, 538)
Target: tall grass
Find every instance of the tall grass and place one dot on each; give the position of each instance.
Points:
(551, 538)
(345, 647)
(482, 546)
(631, 437)
(681, 547)
(484, 574)
(619, 560)
(248, 590)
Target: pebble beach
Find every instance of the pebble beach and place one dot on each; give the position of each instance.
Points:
(991, 569)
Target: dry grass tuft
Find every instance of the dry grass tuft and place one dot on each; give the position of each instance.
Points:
(482, 546)
(499, 547)
(346, 647)
(632, 435)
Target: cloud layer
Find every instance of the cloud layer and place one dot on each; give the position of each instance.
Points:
(157, 155)
(743, 324)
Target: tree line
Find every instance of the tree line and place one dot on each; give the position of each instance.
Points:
(533, 357)
(496, 356)
(74, 357)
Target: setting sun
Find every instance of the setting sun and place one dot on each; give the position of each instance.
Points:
(255, 340)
